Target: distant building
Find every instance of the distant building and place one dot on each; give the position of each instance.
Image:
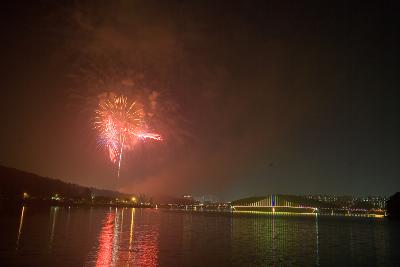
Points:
(206, 199)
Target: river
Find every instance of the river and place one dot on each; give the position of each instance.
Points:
(62, 236)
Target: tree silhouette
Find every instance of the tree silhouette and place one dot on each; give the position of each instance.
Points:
(393, 206)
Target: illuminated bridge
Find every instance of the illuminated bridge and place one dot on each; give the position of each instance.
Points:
(284, 204)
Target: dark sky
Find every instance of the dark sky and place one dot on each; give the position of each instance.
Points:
(252, 97)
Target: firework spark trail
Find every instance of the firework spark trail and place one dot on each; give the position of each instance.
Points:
(148, 136)
(120, 156)
(119, 126)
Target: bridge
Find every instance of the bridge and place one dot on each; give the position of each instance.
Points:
(283, 204)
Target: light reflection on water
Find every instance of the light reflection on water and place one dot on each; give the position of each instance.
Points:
(105, 249)
(21, 222)
(65, 236)
(276, 240)
(53, 218)
(116, 244)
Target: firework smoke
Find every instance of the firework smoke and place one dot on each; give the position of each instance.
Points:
(120, 124)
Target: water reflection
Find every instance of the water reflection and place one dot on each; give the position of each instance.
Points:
(21, 222)
(317, 240)
(130, 253)
(131, 229)
(146, 237)
(105, 241)
(53, 217)
(143, 249)
(117, 245)
(272, 240)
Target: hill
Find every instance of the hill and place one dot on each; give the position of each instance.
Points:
(14, 183)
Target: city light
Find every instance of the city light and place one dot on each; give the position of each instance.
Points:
(56, 197)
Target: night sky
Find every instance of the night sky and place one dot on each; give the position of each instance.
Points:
(252, 97)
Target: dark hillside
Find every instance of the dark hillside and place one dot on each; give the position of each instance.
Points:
(14, 183)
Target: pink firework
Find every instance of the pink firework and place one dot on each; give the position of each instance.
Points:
(120, 124)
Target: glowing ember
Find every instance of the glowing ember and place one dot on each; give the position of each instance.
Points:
(120, 125)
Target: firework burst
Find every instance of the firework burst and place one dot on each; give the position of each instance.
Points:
(120, 124)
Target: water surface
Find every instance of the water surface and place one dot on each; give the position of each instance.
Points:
(62, 236)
